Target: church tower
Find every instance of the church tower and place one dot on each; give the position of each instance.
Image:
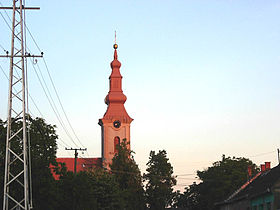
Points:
(115, 124)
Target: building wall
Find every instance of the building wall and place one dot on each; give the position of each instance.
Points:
(238, 205)
(276, 192)
(263, 202)
(108, 146)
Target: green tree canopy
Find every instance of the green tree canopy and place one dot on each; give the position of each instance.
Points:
(89, 190)
(217, 183)
(43, 153)
(160, 181)
(128, 176)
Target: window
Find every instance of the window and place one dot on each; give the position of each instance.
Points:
(116, 142)
(268, 206)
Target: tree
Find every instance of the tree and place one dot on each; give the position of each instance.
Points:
(89, 190)
(160, 181)
(128, 176)
(217, 183)
(43, 153)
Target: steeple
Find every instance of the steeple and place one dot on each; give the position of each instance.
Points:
(115, 124)
(115, 98)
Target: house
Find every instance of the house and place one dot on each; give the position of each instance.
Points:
(262, 192)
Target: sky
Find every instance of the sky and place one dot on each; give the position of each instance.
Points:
(201, 76)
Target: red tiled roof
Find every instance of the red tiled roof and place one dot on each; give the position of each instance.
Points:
(83, 164)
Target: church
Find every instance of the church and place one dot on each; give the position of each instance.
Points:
(115, 124)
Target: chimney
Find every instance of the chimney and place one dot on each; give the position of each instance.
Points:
(262, 168)
(249, 171)
(267, 166)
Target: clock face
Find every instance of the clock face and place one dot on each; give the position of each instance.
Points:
(117, 124)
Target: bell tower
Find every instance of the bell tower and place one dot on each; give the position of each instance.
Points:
(115, 124)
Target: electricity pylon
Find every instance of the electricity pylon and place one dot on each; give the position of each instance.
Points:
(16, 180)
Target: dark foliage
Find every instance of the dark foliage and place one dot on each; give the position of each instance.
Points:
(217, 183)
(43, 153)
(128, 176)
(160, 180)
(89, 190)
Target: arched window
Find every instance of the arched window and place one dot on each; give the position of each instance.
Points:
(116, 142)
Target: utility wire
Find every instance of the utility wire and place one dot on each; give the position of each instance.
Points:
(187, 178)
(56, 107)
(5, 19)
(53, 85)
(262, 154)
(32, 38)
(48, 91)
(28, 93)
(52, 106)
(32, 115)
(3, 48)
(65, 144)
(61, 103)
(34, 103)
(6, 13)
(185, 174)
(56, 92)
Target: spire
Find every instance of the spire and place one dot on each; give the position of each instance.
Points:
(115, 63)
(115, 98)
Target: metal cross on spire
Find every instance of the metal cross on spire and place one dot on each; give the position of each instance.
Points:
(115, 46)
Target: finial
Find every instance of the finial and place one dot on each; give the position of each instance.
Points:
(115, 46)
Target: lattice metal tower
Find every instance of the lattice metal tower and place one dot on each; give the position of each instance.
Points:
(16, 180)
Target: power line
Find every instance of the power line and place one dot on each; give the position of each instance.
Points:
(3, 48)
(28, 93)
(187, 178)
(53, 85)
(5, 19)
(33, 38)
(52, 105)
(65, 144)
(185, 174)
(56, 107)
(40, 131)
(61, 103)
(56, 92)
(261, 154)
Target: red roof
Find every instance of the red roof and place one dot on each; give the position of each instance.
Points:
(83, 164)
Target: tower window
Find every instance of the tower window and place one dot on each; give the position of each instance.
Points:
(116, 142)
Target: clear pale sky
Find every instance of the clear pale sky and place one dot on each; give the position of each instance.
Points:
(202, 77)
